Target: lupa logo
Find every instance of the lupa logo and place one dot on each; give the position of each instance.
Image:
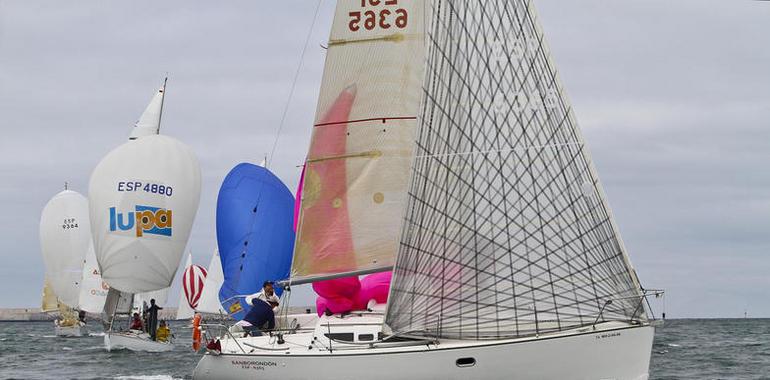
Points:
(145, 220)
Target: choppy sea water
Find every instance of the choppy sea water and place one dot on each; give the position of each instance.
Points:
(683, 349)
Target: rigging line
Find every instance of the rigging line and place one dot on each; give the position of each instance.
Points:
(521, 149)
(294, 84)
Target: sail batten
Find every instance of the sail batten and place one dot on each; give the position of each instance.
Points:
(334, 276)
(507, 230)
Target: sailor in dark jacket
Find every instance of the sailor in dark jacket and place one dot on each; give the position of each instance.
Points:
(152, 318)
(260, 317)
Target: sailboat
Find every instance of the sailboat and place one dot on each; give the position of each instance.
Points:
(193, 279)
(144, 197)
(65, 238)
(445, 150)
(80, 274)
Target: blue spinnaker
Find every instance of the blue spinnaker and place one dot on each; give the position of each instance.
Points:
(255, 213)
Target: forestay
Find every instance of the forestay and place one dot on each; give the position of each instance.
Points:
(507, 230)
(143, 199)
(65, 236)
(357, 167)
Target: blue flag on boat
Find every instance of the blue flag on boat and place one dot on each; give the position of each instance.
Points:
(255, 213)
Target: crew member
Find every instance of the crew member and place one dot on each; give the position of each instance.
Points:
(163, 332)
(152, 318)
(136, 323)
(261, 316)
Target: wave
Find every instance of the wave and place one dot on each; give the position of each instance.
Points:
(146, 377)
(96, 334)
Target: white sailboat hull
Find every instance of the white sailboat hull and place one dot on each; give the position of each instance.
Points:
(618, 353)
(71, 331)
(134, 342)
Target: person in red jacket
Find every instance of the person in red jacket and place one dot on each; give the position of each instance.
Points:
(136, 323)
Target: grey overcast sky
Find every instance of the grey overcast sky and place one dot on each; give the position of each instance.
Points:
(673, 97)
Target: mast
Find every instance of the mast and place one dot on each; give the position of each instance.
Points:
(162, 100)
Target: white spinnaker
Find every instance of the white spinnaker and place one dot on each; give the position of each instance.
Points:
(65, 237)
(184, 311)
(209, 302)
(149, 122)
(93, 290)
(144, 197)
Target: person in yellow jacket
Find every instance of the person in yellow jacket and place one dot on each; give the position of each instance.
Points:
(163, 332)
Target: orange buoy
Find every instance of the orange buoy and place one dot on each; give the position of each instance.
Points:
(196, 335)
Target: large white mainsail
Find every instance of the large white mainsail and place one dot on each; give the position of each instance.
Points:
(357, 166)
(508, 232)
(209, 301)
(149, 123)
(144, 197)
(65, 237)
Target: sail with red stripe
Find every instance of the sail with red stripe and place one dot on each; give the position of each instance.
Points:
(357, 168)
(192, 283)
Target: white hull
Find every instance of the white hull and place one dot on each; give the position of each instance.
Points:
(134, 341)
(71, 331)
(615, 351)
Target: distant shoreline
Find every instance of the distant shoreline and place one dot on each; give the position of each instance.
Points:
(36, 315)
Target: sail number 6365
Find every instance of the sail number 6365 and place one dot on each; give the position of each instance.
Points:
(382, 18)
